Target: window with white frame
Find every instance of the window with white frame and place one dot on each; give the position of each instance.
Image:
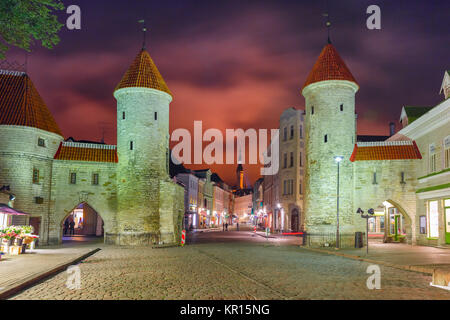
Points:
(447, 152)
(433, 219)
(432, 158)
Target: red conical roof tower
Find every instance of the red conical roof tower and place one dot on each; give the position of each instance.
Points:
(329, 66)
(21, 104)
(143, 73)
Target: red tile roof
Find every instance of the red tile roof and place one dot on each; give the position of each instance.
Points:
(86, 152)
(329, 66)
(21, 104)
(143, 73)
(385, 150)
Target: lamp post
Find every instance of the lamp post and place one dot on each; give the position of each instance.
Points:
(338, 160)
(369, 214)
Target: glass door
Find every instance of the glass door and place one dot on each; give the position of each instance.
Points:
(447, 220)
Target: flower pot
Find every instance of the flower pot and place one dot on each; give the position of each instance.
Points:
(19, 242)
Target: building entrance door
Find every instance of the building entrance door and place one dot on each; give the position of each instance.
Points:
(294, 221)
(447, 220)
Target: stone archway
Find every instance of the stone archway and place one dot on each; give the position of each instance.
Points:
(398, 222)
(82, 223)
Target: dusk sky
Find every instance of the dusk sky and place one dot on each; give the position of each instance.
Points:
(239, 64)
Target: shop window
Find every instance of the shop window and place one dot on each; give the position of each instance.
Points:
(35, 176)
(41, 142)
(95, 179)
(433, 219)
(422, 224)
(381, 223)
(73, 178)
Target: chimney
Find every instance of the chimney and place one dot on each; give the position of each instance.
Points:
(391, 129)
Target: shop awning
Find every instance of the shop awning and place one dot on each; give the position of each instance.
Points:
(5, 209)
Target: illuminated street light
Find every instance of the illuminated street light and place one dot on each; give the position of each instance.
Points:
(338, 160)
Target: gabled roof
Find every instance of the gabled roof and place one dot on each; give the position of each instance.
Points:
(414, 112)
(21, 104)
(329, 66)
(76, 151)
(386, 150)
(143, 73)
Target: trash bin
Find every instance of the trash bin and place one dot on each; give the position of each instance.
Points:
(359, 242)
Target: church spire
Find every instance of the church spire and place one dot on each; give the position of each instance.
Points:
(328, 22)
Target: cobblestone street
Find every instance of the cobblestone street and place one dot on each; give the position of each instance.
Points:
(230, 265)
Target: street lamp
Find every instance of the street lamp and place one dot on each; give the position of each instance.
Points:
(369, 214)
(338, 160)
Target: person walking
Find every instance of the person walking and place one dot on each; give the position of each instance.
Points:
(226, 226)
(72, 227)
(237, 225)
(66, 226)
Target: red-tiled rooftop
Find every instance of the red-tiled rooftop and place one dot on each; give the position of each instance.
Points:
(21, 104)
(329, 66)
(75, 151)
(385, 150)
(143, 73)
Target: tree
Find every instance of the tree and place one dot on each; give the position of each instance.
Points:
(23, 22)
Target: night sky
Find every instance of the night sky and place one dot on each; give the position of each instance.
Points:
(239, 64)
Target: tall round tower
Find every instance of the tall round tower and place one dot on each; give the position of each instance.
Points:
(329, 93)
(143, 100)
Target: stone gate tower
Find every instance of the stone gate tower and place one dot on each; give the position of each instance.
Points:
(329, 93)
(143, 100)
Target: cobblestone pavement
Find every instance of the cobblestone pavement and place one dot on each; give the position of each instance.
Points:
(233, 265)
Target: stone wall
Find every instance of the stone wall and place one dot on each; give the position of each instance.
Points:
(388, 187)
(325, 118)
(66, 196)
(19, 156)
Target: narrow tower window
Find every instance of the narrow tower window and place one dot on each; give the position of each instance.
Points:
(402, 176)
(374, 178)
(342, 107)
(131, 145)
(312, 110)
(123, 115)
(35, 176)
(325, 138)
(156, 115)
(73, 178)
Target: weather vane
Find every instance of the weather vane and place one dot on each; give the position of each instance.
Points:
(328, 22)
(144, 31)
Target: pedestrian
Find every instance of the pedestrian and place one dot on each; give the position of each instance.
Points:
(237, 225)
(226, 226)
(66, 226)
(72, 227)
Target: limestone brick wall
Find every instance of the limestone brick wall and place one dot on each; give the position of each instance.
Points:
(388, 187)
(171, 212)
(141, 169)
(66, 196)
(325, 120)
(19, 156)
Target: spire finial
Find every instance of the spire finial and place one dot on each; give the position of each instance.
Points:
(328, 22)
(144, 32)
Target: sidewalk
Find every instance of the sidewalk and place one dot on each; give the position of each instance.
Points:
(18, 272)
(430, 260)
